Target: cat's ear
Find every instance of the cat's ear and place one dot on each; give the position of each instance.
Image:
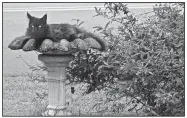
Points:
(29, 16)
(44, 18)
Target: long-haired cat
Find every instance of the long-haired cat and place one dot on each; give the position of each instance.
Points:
(39, 29)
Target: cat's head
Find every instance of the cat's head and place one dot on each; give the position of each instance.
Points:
(37, 26)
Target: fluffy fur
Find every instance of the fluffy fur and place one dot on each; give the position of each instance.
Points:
(39, 29)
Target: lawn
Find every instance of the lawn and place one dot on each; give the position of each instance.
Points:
(20, 99)
(18, 96)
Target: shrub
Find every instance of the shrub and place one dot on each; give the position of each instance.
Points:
(148, 52)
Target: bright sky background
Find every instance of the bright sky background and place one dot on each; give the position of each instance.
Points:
(39, 6)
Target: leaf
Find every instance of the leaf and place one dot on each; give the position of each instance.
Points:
(75, 20)
(98, 28)
(96, 15)
(81, 23)
(38, 95)
(107, 25)
(114, 14)
(96, 9)
(130, 109)
(130, 31)
(105, 4)
(99, 9)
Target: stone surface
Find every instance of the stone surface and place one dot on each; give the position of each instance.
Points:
(64, 45)
(56, 67)
(28, 44)
(56, 56)
(46, 45)
(59, 52)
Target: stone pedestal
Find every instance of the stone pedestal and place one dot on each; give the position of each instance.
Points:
(56, 56)
(56, 65)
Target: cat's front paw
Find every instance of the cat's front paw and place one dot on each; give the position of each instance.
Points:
(18, 43)
(46, 45)
(30, 45)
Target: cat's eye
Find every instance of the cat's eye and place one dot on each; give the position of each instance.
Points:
(39, 26)
(32, 26)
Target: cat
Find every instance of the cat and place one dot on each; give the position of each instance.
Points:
(39, 29)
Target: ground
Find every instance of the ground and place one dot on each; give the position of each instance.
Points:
(20, 99)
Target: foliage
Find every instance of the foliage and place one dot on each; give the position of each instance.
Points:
(90, 67)
(148, 52)
(144, 61)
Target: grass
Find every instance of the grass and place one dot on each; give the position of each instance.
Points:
(19, 99)
(18, 96)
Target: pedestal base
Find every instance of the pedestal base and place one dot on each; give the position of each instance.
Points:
(56, 112)
(56, 66)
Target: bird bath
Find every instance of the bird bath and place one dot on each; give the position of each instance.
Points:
(56, 67)
(56, 56)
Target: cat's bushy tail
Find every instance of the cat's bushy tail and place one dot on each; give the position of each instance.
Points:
(86, 34)
(101, 41)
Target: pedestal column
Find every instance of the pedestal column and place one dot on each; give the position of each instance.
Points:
(56, 66)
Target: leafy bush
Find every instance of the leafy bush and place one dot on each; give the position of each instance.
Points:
(148, 52)
(144, 60)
